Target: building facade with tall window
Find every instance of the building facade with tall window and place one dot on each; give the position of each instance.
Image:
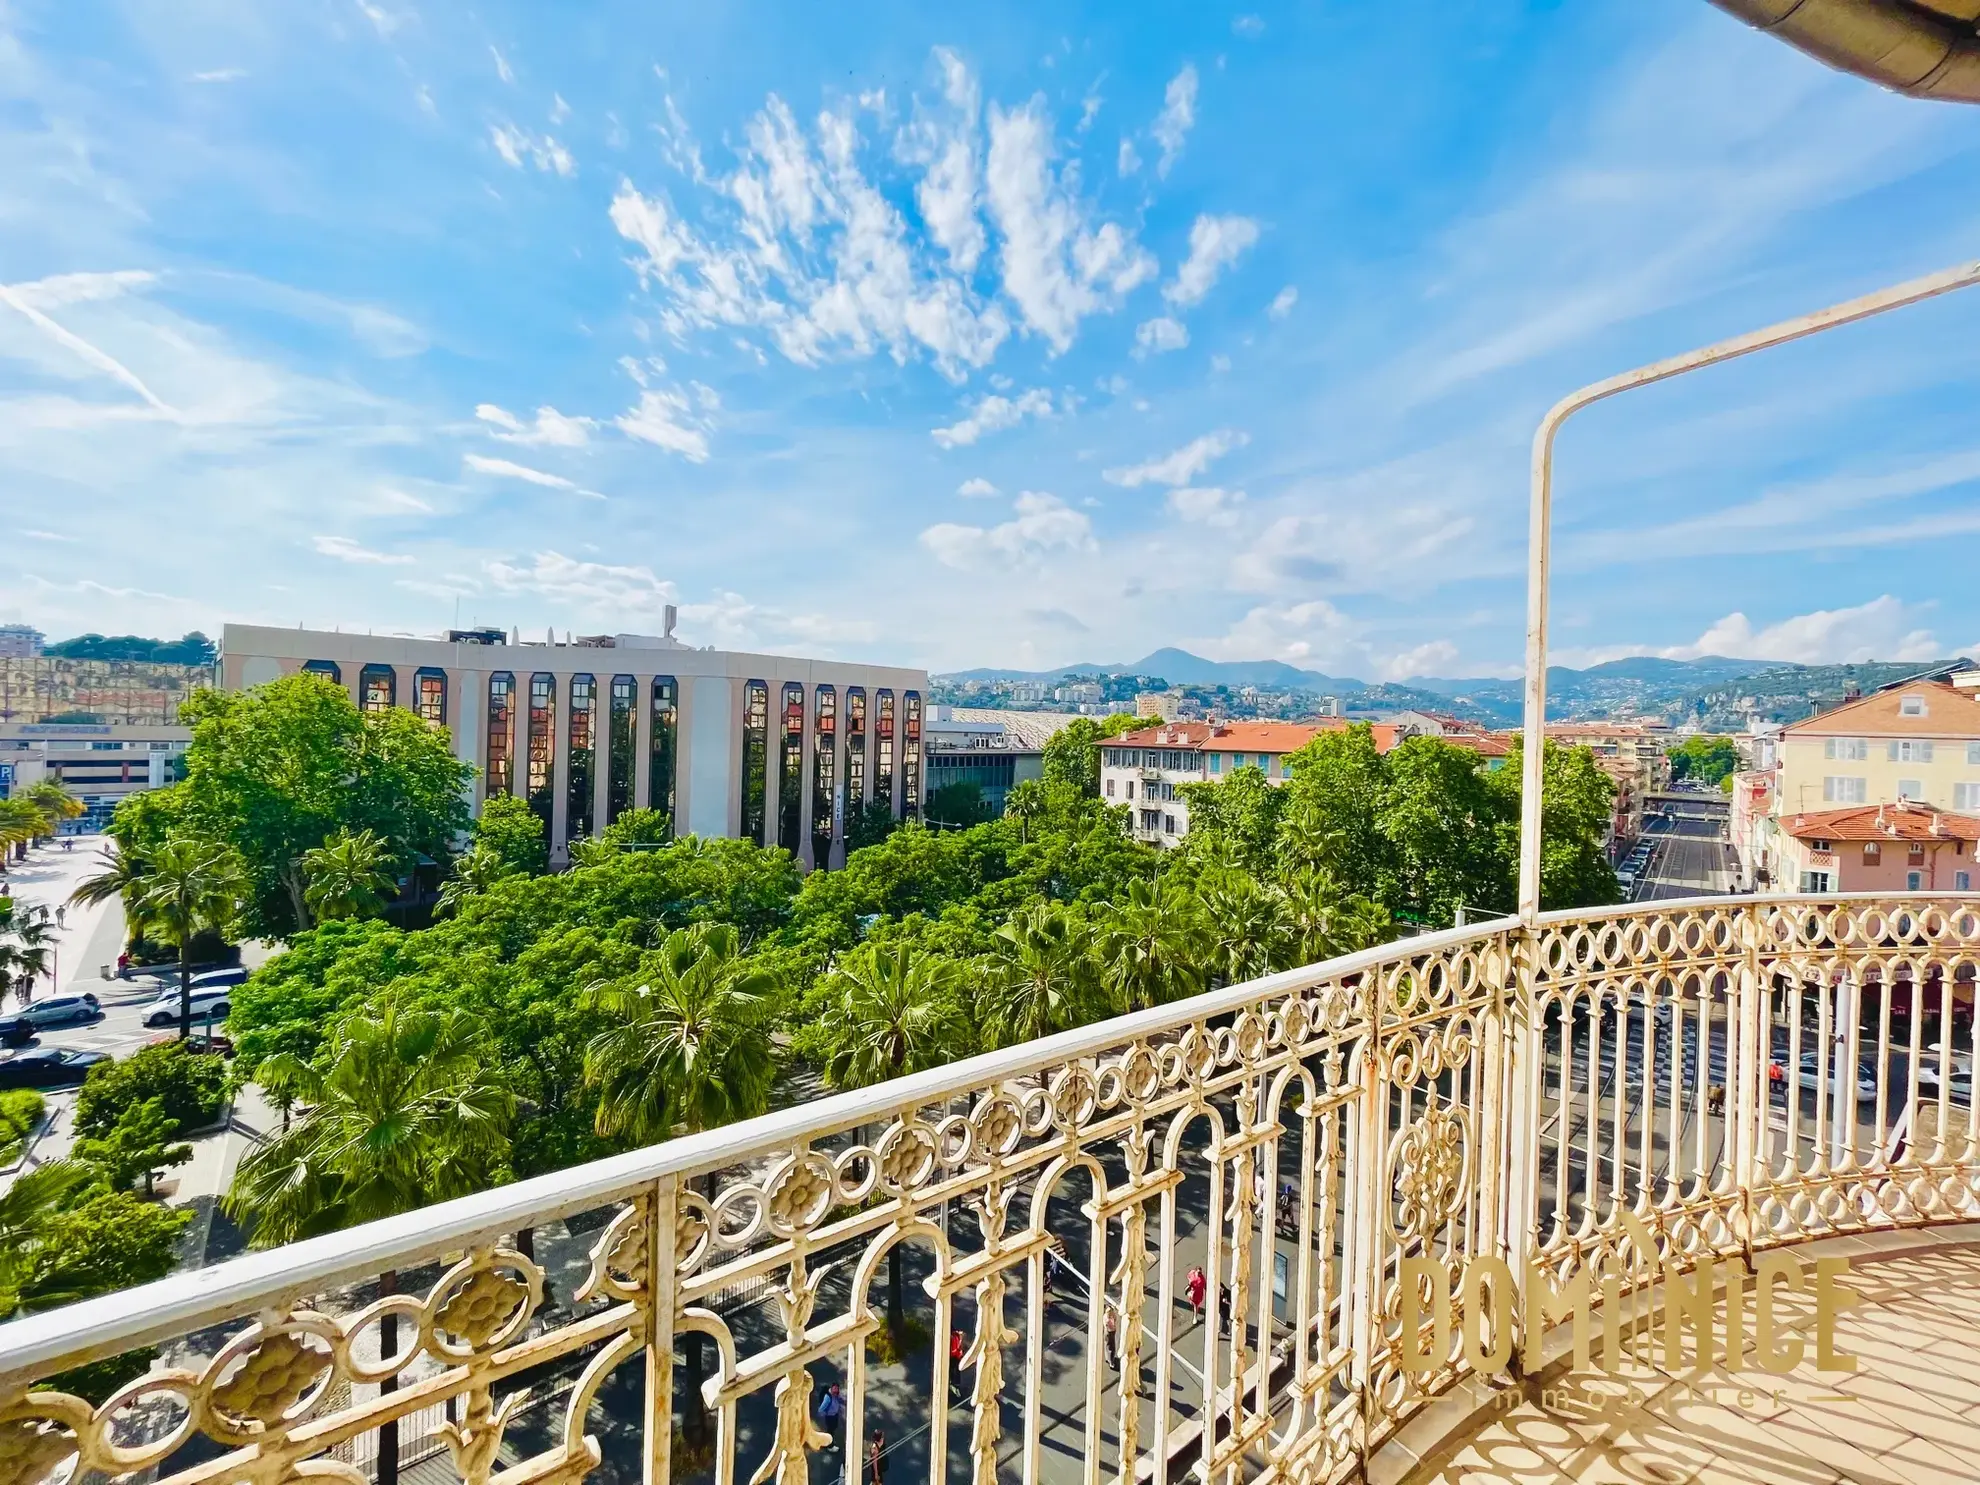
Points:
(771, 748)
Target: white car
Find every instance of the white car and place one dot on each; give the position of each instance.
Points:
(208, 1004)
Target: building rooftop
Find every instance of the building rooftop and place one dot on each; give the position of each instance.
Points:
(1024, 729)
(1900, 821)
(1947, 711)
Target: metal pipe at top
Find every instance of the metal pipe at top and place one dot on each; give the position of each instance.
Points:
(1540, 515)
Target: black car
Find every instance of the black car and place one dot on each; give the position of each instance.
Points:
(48, 1067)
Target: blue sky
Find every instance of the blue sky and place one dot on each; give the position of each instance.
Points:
(975, 335)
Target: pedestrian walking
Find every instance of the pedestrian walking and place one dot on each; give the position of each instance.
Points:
(1223, 1309)
(876, 1459)
(1112, 1340)
(832, 1412)
(1194, 1288)
(956, 1360)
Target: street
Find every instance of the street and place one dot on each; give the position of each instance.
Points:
(1689, 858)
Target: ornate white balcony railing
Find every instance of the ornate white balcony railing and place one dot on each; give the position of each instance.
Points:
(1483, 1091)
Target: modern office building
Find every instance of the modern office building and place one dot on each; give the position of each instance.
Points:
(102, 763)
(993, 749)
(765, 747)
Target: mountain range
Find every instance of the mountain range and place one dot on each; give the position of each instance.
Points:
(1715, 690)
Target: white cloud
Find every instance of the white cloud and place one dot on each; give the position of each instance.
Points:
(517, 145)
(994, 414)
(1127, 159)
(33, 300)
(1220, 363)
(559, 109)
(669, 421)
(47, 536)
(382, 20)
(1206, 505)
(1177, 117)
(950, 186)
(1153, 337)
(1057, 268)
(507, 469)
(1043, 523)
(551, 427)
(1283, 302)
(1309, 634)
(1434, 657)
(600, 588)
(1883, 629)
(220, 75)
(398, 502)
(1214, 244)
(976, 489)
(1182, 466)
(1250, 27)
(346, 550)
(502, 66)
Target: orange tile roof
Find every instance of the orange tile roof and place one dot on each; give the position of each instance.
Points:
(1242, 737)
(1482, 743)
(1949, 712)
(1883, 822)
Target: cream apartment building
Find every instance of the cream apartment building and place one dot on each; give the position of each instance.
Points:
(771, 748)
(1633, 757)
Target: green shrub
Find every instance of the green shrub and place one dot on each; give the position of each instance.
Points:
(190, 1087)
(20, 1111)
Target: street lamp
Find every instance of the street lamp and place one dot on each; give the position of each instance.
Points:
(1540, 515)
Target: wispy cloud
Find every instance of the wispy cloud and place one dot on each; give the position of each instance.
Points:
(1283, 302)
(1181, 466)
(1177, 118)
(976, 489)
(668, 420)
(346, 550)
(518, 147)
(508, 469)
(551, 427)
(992, 414)
(1043, 523)
(1215, 243)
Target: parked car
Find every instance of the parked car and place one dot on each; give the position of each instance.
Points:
(57, 1010)
(48, 1067)
(215, 978)
(207, 1004)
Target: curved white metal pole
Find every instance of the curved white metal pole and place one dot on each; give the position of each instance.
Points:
(1540, 517)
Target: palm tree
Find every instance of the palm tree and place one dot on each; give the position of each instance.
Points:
(1039, 976)
(1152, 945)
(1025, 803)
(403, 1114)
(476, 870)
(1323, 922)
(55, 803)
(891, 1011)
(1247, 924)
(20, 822)
(191, 887)
(26, 948)
(29, 1210)
(346, 874)
(125, 874)
(687, 1049)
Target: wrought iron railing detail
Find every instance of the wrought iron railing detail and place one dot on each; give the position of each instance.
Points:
(1530, 1096)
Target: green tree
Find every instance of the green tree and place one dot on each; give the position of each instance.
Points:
(1332, 802)
(890, 1010)
(1072, 754)
(190, 1088)
(20, 1110)
(401, 1112)
(136, 1147)
(1445, 828)
(347, 875)
(30, 1211)
(1322, 922)
(641, 827)
(686, 1049)
(1245, 925)
(55, 803)
(1236, 818)
(275, 771)
(958, 805)
(1577, 807)
(512, 830)
(1039, 976)
(1710, 760)
(1024, 802)
(191, 887)
(124, 875)
(1152, 944)
(478, 868)
(871, 824)
(27, 945)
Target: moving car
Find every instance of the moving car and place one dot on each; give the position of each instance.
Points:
(48, 1067)
(1813, 1076)
(208, 1003)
